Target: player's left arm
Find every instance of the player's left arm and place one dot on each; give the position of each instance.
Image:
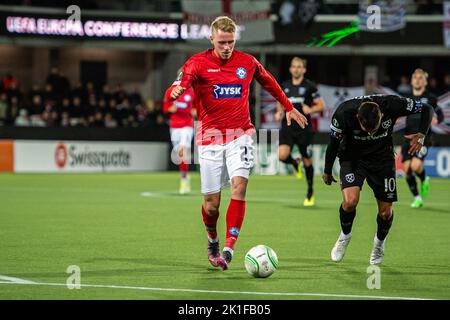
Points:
(318, 105)
(268, 82)
(406, 106)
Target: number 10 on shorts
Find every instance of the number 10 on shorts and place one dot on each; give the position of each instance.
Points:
(389, 184)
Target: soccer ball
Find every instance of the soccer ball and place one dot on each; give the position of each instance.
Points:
(261, 261)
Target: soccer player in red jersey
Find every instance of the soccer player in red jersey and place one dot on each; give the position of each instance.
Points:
(221, 78)
(182, 110)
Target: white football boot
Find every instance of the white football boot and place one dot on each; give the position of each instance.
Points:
(377, 254)
(340, 246)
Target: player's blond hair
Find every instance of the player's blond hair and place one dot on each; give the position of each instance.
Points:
(303, 61)
(223, 23)
(418, 70)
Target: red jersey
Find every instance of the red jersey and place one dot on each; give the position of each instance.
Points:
(223, 87)
(185, 103)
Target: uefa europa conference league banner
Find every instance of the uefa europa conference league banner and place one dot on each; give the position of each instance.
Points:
(79, 156)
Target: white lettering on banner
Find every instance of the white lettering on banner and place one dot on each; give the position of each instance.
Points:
(252, 18)
(89, 156)
(101, 159)
(443, 163)
(95, 28)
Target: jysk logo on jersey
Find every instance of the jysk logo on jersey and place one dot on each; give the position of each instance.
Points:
(241, 73)
(227, 91)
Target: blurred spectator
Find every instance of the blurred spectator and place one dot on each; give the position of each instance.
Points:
(13, 90)
(120, 93)
(13, 110)
(22, 119)
(106, 93)
(49, 96)
(79, 91)
(37, 107)
(142, 115)
(56, 104)
(404, 88)
(135, 97)
(9, 81)
(446, 87)
(60, 84)
(110, 122)
(98, 120)
(433, 87)
(77, 113)
(65, 119)
(90, 92)
(102, 106)
(113, 109)
(125, 114)
(3, 108)
(49, 115)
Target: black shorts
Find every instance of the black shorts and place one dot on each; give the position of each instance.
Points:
(421, 155)
(381, 178)
(300, 137)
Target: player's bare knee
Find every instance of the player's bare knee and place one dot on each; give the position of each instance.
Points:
(385, 211)
(282, 155)
(211, 204)
(211, 208)
(350, 202)
(416, 167)
(307, 162)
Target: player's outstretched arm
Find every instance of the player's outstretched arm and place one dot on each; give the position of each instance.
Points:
(270, 84)
(295, 115)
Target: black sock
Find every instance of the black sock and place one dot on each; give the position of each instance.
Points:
(422, 175)
(384, 226)
(411, 180)
(290, 160)
(346, 220)
(309, 173)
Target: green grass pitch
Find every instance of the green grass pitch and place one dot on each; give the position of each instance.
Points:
(153, 246)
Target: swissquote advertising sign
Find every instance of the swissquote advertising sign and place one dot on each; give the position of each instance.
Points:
(80, 156)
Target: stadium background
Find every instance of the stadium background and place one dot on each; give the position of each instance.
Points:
(70, 96)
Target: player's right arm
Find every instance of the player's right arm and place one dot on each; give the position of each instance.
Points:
(336, 136)
(185, 79)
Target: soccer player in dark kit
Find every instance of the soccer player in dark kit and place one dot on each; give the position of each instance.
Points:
(361, 135)
(305, 98)
(413, 164)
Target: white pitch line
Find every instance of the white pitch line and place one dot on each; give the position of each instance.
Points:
(285, 294)
(14, 280)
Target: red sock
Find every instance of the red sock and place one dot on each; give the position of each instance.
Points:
(210, 224)
(235, 218)
(184, 167)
